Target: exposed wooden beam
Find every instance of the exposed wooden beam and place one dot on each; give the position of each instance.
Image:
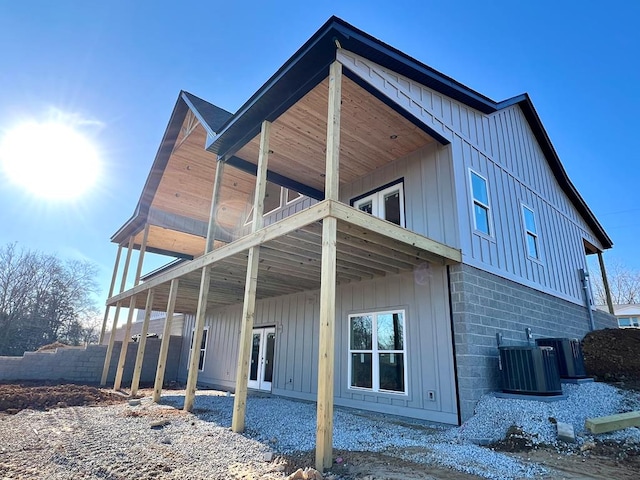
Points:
(107, 358)
(249, 304)
(111, 287)
(324, 426)
(324, 421)
(143, 248)
(332, 179)
(205, 280)
(294, 222)
(142, 344)
(125, 344)
(401, 237)
(192, 376)
(166, 337)
(213, 225)
(114, 326)
(605, 283)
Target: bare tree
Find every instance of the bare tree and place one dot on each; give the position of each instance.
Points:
(43, 299)
(624, 283)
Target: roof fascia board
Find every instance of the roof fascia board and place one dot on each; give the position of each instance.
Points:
(155, 174)
(276, 178)
(387, 56)
(399, 109)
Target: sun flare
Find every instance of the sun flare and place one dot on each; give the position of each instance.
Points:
(50, 159)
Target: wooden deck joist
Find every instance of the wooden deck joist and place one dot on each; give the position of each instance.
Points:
(290, 258)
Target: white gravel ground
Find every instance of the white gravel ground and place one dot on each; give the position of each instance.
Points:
(289, 426)
(118, 441)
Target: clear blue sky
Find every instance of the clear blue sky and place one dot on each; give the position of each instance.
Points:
(120, 65)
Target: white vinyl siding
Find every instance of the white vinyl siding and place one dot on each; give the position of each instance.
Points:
(504, 148)
(530, 232)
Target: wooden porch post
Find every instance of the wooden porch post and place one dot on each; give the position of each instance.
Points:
(324, 427)
(205, 280)
(111, 287)
(142, 344)
(605, 283)
(164, 346)
(125, 344)
(132, 305)
(248, 309)
(112, 337)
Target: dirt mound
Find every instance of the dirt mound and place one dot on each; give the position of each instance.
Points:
(16, 397)
(613, 354)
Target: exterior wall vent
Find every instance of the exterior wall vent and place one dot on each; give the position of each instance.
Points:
(530, 370)
(568, 355)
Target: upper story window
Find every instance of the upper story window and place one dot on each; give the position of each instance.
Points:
(386, 203)
(481, 209)
(531, 232)
(275, 197)
(377, 351)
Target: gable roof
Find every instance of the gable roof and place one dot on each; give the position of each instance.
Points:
(210, 116)
(309, 65)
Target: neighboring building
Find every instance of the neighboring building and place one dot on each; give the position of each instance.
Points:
(448, 218)
(155, 328)
(628, 315)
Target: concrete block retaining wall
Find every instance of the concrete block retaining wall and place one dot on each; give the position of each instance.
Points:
(484, 304)
(84, 364)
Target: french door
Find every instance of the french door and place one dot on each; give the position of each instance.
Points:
(261, 361)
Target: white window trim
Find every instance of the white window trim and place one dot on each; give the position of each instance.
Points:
(286, 196)
(528, 232)
(206, 344)
(377, 201)
(481, 204)
(375, 366)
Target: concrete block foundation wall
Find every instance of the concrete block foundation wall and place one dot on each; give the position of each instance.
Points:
(84, 364)
(483, 305)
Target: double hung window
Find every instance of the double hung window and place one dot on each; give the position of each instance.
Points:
(377, 351)
(481, 208)
(530, 232)
(202, 350)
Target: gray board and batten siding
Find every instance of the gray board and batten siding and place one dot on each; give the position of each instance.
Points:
(425, 300)
(502, 148)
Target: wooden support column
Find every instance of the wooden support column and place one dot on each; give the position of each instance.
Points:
(251, 282)
(125, 344)
(605, 283)
(111, 287)
(326, 350)
(164, 346)
(132, 306)
(142, 344)
(143, 249)
(205, 280)
(112, 337)
(107, 360)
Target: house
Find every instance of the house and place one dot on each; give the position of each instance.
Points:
(628, 315)
(357, 233)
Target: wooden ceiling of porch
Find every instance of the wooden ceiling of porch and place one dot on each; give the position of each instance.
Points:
(298, 144)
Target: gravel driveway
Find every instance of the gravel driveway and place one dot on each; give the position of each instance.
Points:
(161, 441)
